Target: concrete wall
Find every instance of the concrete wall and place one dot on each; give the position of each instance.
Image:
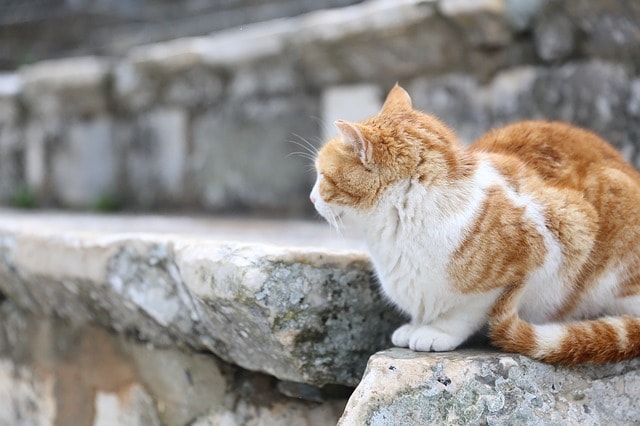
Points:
(212, 123)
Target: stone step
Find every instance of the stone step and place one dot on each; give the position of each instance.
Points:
(287, 298)
(290, 299)
(56, 373)
(401, 387)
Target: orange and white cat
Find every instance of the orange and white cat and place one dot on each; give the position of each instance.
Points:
(533, 229)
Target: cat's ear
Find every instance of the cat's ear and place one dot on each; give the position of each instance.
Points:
(352, 135)
(397, 99)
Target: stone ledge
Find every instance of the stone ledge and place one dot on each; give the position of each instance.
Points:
(53, 372)
(299, 313)
(480, 387)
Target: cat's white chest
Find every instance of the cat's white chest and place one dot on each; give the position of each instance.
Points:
(411, 246)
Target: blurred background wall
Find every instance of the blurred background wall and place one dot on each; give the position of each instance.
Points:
(201, 105)
(32, 30)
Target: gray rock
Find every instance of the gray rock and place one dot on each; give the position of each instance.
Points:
(11, 137)
(56, 372)
(66, 87)
(10, 85)
(609, 29)
(84, 164)
(473, 387)
(156, 158)
(196, 87)
(35, 159)
(242, 154)
(482, 22)
(299, 313)
(375, 41)
(521, 13)
(555, 37)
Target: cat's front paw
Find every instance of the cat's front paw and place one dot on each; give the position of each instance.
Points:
(400, 337)
(426, 339)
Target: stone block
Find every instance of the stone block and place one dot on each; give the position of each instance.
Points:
(352, 103)
(482, 23)
(156, 155)
(132, 89)
(294, 311)
(67, 87)
(131, 407)
(555, 37)
(475, 387)
(84, 164)
(608, 30)
(56, 372)
(35, 158)
(242, 154)
(377, 41)
(25, 397)
(11, 136)
(521, 13)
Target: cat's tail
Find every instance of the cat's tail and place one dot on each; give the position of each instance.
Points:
(603, 340)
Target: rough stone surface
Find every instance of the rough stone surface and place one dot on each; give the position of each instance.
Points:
(115, 26)
(66, 87)
(607, 29)
(241, 154)
(57, 372)
(11, 144)
(298, 312)
(157, 155)
(85, 163)
(473, 387)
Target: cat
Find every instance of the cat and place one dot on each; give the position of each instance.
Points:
(533, 230)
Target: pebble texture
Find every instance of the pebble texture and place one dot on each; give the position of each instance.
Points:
(485, 387)
(299, 313)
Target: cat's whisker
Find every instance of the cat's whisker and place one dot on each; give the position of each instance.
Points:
(334, 223)
(305, 144)
(341, 224)
(304, 155)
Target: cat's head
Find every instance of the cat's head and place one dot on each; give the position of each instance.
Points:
(367, 161)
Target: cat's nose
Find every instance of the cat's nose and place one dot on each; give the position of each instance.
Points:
(312, 198)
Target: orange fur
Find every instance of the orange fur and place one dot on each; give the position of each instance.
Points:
(589, 197)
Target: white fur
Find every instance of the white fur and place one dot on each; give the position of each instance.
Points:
(621, 330)
(548, 337)
(600, 297)
(625, 306)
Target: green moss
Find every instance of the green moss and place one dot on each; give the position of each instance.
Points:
(23, 198)
(107, 203)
